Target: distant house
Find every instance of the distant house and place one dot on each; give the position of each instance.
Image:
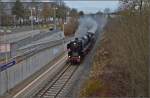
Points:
(36, 13)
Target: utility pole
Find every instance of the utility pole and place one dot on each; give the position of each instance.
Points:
(31, 19)
(31, 10)
(64, 36)
(55, 8)
(0, 13)
(0, 19)
(14, 16)
(141, 4)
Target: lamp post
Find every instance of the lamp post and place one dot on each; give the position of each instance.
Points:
(64, 36)
(31, 20)
(55, 8)
(14, 16)
(0, 20)
(32, 17)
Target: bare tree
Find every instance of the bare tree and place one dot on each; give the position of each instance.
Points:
(47, 11)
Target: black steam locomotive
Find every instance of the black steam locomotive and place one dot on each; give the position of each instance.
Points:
(79, 47)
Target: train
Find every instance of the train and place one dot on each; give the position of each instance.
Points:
(80, 46)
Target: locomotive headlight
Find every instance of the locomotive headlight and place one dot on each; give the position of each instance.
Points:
(79, 56)
(69, 56)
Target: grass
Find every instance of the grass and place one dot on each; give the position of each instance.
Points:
(121, 62)
(93, 86)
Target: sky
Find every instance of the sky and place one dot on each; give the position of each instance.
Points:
(88, 6)
(92, 6)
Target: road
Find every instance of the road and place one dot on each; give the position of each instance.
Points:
(10, 38)
(20, 29)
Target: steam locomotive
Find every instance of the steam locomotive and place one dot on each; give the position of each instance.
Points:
(79, 47)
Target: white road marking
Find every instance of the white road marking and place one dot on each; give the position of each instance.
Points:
(42, 75)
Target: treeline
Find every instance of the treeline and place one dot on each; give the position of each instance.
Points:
(121, 64)
(22, 13)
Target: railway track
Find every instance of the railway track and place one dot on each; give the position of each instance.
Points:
(58, 86)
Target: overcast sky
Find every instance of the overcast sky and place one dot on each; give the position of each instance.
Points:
(88, 6)
(91, 6)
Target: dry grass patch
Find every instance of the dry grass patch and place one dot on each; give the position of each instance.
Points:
(121, 61)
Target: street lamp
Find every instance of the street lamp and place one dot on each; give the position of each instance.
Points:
(64, 36)
(32, 17)
(14, 16)
(55, 8)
